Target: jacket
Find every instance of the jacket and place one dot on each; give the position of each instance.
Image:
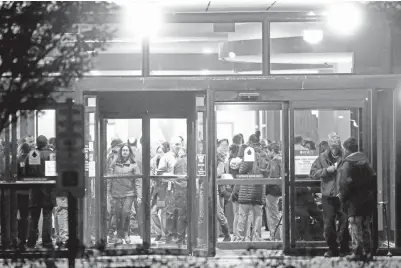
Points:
(125, 186)
(180, 185)
(357, 185)
(251, 194)
(275, 173)
(43, 196)
(319, 172)
(167, 163)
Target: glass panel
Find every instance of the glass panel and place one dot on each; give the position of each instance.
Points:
(168, 195)
(308, 48)
(122, 170)
(386, 182)
(123, 55)
(45, 220)
(311, 129)
(207, 49)
(259, 159)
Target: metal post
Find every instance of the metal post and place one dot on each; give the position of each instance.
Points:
(72, 228)
(145, 182)
(191, 173)
(286, 180)
(266, 47)
(373, 159)
(210, 191)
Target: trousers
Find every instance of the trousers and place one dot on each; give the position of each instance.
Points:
(335, 237)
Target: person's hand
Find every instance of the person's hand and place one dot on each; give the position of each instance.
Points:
(331, 169)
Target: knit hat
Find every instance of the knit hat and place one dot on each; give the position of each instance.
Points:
(116, 142)
(41, 141)
(253, 140)
(351, 144)
(334, 139)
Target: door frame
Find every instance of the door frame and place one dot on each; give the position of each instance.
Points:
(146, 116)
(285, 108)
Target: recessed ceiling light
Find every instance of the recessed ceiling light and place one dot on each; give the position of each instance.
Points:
(207, 51)
(231, 55)
(313, 36)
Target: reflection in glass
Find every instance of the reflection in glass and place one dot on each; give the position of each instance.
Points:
(308, 48)
(168, 194)
(207, 49)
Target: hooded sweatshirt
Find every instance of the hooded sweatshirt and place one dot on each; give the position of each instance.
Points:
(357, 184)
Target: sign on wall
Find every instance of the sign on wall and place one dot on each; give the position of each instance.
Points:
(200, 165)
(304, 160)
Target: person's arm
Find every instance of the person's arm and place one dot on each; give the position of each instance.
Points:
(317, 171)
(163, 165)
(345, 181)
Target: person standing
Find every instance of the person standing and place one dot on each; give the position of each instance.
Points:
(357, 181)
(325, 169)
(40, 198)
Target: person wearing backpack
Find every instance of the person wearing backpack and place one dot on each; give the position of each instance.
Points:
(250, 197)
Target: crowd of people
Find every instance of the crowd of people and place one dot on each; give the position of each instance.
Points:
(41, 217)
(347, 194)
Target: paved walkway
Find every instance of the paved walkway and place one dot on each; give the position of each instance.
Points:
(235, 259)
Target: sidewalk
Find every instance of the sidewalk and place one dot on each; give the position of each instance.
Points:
(235, 259)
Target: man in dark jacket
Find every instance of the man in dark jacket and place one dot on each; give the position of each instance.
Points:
(40, 198)
(357, 181)
(325, 169)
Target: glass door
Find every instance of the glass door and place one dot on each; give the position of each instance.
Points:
(252, 175)
(149, 187)
(309, 138)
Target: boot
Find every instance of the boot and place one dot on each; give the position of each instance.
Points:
(226, 233)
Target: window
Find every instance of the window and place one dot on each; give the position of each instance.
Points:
(308, 48)
(207, 49)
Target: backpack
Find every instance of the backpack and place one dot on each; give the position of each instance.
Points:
(254, 155)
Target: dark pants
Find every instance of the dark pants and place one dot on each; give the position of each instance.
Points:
(176, 216)
(33, 221)
(340, 237)
(23, 203)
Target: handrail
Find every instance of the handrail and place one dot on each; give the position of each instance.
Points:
(141, 176)
(257, 181)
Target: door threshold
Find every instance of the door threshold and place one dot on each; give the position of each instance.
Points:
(273, 245)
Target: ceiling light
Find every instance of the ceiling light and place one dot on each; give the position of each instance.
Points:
(207, 51)
(340, 117)
(231, 55)
(345, 18)
(313, 36)
(311, 13)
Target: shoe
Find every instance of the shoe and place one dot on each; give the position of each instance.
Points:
(354, 257)
(127, 240)
(158, 238)
(48, 245)
(331, 254)
(227, 238)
